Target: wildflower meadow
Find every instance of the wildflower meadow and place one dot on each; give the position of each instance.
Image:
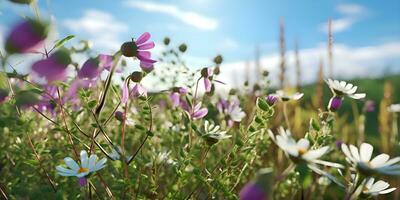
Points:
(140, 123)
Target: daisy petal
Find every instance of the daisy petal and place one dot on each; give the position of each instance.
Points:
(71, 163)
(366, 152)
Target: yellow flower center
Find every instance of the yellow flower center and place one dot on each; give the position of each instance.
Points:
(302, 151)
(83, 170)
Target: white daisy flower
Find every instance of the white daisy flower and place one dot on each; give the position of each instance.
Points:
(341, 88)
(361, 160)
(88, 165)
(300, 151)
(287, 97)
(213, 134)
(374, 189)
(394, 108)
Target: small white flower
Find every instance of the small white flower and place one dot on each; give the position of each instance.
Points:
(361, 159)
(88, 165)
(341, 88)
(379, 187)
(236, 113)
(213, 134)
(394, 108)
(300, 151)
(287, 97)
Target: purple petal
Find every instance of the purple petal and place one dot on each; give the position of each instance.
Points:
(185, 106)
(200, 113)
(144, 54)
(139, 90)
(90, 69)
(25, 37)
(50, 69)
(143, 38)
(147, 67)
(146, 46)
(252, 192)
(175, 99)
(105, 61)
(125, 93)
(207, 84)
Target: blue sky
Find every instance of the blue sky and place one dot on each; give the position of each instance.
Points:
(234, 28)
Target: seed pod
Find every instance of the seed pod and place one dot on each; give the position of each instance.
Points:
(129, 49)
(218, 59)
(182, 48)
(167, 40)
(136, 76)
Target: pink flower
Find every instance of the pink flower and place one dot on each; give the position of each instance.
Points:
(139, 49)
(106, 62)
(252, 191)
(54, 67)
(26, 36)
(3, 95)
(90, 69)
(137, 90)
(47, 103)
(231, 110)
(196, 112)
(176, 94)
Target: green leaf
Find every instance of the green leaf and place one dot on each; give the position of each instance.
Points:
(262, 104)
(63, 41)
(92, 103)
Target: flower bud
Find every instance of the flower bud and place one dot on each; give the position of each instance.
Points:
(271, 99)
(216, 70)
(335, 103)
(206, 72)
(218, 59)
(26, 36)
(136, 76)
(129, 49)
(167, 40)
(120, 116)
(82, 181)
(182, 48)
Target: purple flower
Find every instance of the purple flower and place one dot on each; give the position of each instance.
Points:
(338, 144)
(369, 106)
(207, 73)
(90, 69)
(176, 94)
(137, 90)
(196, 112)
(232, 111)
(54, 67)
(335, 103)
(251, 191)
(26, 36)
(125, 93)
(47, 103)
(139, 49)
(271, 99)
(82, 181)
(106, 62)
(3, 95)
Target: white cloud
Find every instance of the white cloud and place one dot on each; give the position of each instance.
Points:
(188, 17)
(352, 13)
(338, 25)
(99, 27)
(349, 62)
(350, 9)
(228, 44)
